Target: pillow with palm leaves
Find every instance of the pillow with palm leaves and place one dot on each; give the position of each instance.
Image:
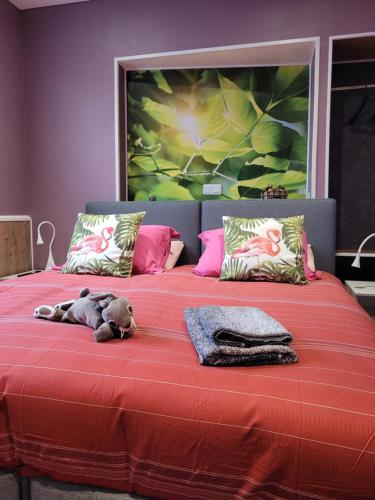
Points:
(267, 249)
(103, 244)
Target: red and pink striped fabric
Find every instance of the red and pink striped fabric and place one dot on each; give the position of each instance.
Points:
(142, 415)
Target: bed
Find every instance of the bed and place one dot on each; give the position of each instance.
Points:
(142, 416)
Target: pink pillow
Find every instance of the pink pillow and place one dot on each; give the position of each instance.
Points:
(212, 258)
(152, 248)
(310, 274)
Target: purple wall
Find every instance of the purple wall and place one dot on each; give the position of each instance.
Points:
(12, 111)
(69, 79)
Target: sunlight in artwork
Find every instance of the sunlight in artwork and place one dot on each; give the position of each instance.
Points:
(189, 124)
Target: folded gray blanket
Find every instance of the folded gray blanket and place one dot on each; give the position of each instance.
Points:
(238, 336)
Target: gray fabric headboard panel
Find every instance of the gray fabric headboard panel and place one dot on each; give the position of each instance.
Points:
(185, 216)
(192, 217)
(320, 221)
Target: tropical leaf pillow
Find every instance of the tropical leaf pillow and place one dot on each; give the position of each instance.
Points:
(103, 244)
(263, 249)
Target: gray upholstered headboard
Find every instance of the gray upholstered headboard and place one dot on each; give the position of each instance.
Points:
(184, 216)
(192, 217)
(320, 221)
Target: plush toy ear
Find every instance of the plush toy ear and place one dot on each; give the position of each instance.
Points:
(103, 333)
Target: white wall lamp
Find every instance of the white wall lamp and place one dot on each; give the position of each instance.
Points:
(50, 261)
(356, 261)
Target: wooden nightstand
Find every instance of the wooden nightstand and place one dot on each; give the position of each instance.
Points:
(364, 293)
(16, 254)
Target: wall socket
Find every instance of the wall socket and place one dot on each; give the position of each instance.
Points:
(212, 189)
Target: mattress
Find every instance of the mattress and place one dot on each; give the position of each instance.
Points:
(141, 415)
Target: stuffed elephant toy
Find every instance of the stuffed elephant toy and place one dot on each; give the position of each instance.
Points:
(108, 315)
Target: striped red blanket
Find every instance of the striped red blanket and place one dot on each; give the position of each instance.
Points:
(142, 415)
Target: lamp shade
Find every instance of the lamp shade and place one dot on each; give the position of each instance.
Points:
(39, 240)
(356, 262)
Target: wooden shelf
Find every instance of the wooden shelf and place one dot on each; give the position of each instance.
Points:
(355, 250)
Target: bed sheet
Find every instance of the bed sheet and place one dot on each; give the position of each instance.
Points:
(141, 415)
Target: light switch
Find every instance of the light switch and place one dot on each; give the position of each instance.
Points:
(212, 189)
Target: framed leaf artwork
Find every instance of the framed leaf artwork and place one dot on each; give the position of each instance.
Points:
(240, 128)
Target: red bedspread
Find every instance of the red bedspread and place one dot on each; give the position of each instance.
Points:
(143, 416)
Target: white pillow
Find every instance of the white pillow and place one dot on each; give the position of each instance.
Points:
(174, 253)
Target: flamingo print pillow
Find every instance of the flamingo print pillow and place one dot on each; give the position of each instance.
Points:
(103, 244)
(266, 249)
